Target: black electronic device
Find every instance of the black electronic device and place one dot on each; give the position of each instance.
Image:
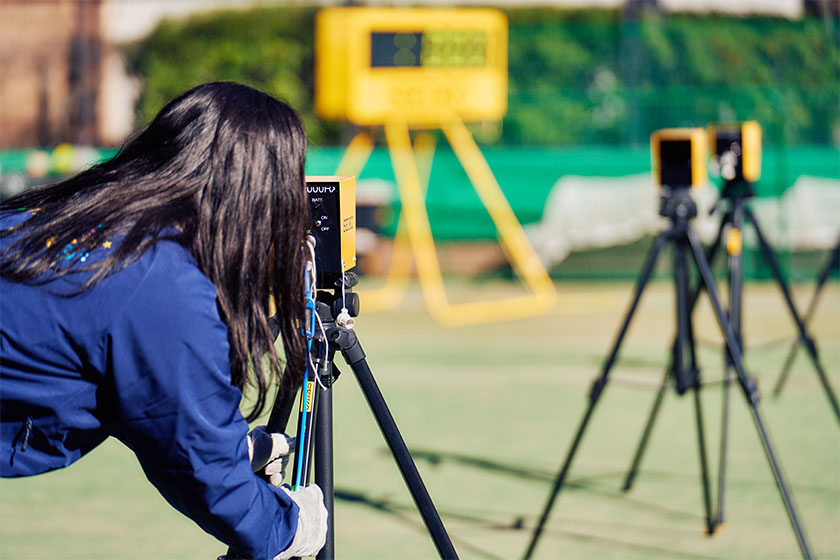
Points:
(332, 205)
(679, 157)
(736, 150)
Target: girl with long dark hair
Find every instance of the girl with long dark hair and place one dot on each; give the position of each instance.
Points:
(134, 303)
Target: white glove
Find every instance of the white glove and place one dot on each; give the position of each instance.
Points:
(269, 453)
(311, 531)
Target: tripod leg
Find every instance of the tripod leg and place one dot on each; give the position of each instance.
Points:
(777, 389)
(678, 348)
(750, 390)
(355, 357)
(711, 253)
(830, 264)
(701, 442)
(704, 469)
(643, 441)
(685, 367)
(692, 301)
(682, 362)
(724, 437)
(324, 465)
(734, 247)
(736, 273)
(597, 388)
(807, 341)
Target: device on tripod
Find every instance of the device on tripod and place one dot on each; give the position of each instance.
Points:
(736, 157)
(737, 154)
(679, 164)
(333, 306)
(736, 149)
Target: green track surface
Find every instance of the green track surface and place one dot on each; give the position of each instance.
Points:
(488, 412)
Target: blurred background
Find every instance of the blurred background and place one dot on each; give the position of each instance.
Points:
(588, 82)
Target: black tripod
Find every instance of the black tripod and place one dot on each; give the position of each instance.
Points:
(336, 338)
(679, 208)
(831, 265)
(735, 193)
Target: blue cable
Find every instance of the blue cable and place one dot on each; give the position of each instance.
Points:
(304, 397)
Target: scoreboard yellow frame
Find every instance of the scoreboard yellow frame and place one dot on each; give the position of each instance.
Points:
(447, 62)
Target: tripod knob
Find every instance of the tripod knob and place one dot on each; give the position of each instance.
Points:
(351, 302)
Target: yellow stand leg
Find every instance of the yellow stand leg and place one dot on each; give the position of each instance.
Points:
(525, 261)
(356, 155)
(399, 270)
(412, 167)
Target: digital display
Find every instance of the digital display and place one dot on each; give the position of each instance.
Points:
(429, 49)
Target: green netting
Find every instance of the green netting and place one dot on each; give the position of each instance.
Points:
(596, 77)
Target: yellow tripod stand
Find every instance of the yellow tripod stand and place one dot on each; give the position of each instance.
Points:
(413, 237)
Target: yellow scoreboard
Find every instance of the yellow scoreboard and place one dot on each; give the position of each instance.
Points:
(421, 66)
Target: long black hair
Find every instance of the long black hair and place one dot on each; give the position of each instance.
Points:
(221, 171)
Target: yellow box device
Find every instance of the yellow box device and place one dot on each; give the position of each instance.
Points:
(416, 65)
(736, 148)
(679, 157)
(332, 205)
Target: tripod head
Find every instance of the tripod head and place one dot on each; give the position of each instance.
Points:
(677, 204)
(737, 189)
(332, 306)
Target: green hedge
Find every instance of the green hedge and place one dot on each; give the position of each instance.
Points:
(270, 49)
(576, 77)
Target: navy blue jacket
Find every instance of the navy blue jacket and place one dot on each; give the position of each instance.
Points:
(143, 357)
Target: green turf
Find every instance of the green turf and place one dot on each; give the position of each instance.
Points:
(488, 412)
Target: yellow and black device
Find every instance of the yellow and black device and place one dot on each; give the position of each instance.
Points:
(373, 65)
(736, 150)
(332, 205)
(679, 157)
